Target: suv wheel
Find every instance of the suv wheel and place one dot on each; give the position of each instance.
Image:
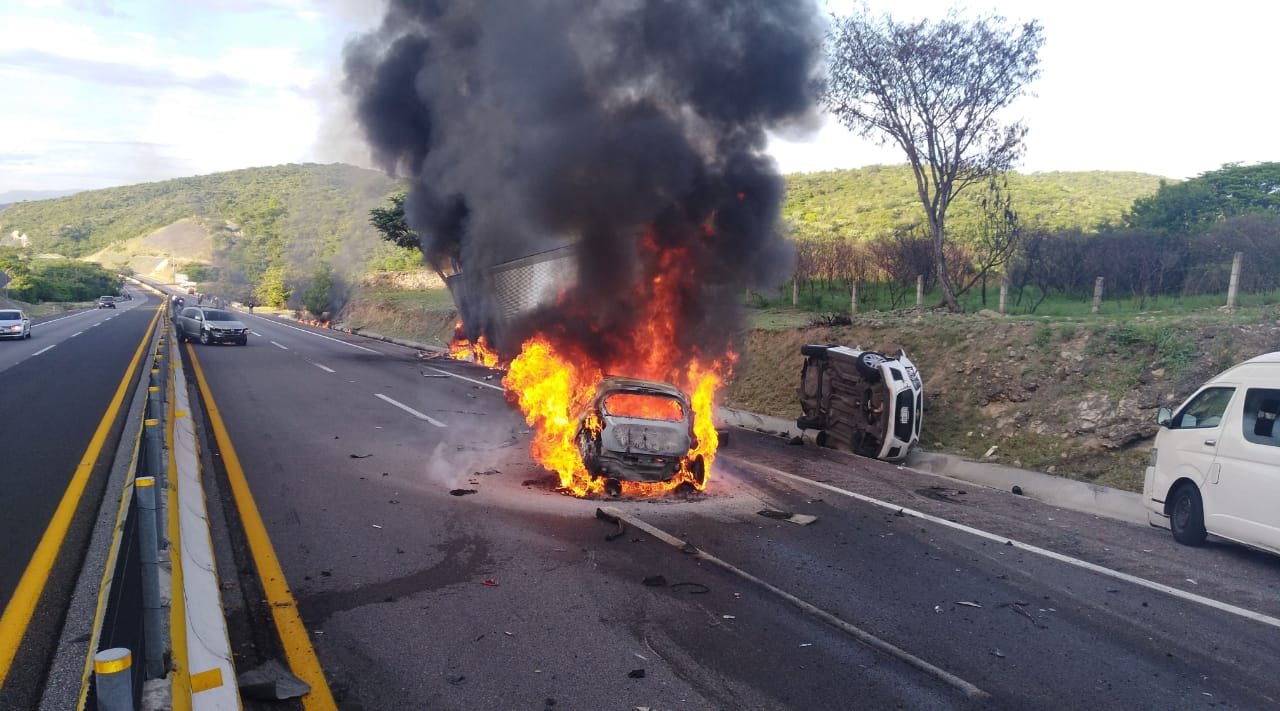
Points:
(204, 338)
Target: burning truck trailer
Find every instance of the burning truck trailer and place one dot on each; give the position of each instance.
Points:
(624, 435)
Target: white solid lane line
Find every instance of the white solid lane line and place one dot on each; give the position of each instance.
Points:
(857, 633)
(277, 345)
(325, 369)
(410, 410)
(46, 348)
(1052, 555)
(77, 333)
(499, 388)
(321, 335)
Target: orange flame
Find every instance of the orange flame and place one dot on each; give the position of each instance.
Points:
(553, 382)
(474, 352)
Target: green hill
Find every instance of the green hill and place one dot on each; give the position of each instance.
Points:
(877, 200)
(296, 217)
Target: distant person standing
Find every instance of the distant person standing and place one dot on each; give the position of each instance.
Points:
(251, 304)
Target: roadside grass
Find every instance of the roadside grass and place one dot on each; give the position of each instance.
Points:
(835, 297)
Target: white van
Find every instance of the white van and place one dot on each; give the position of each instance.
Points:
(1215, 467)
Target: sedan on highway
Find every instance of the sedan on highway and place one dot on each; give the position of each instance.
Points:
(14, 324)
(637, 430)
(210, 326)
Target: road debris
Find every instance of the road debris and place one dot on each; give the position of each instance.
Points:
(655, 581)
(796, 518)
(694, 588)
(997, 653)
(966, 603)
(636, 674)
(376, 526)
(489, 582)
(462, 492)
(1017, 490)
(728, 617)
(610, 518)
(361, 456)
(271, 681)
(456, 680)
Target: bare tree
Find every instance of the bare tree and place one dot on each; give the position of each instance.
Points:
(936, 89)
(995, 239)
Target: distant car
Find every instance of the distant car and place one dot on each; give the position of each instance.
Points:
(861, 401)
(209, 326)
(106, 302)
(14, 324)
(637, 430)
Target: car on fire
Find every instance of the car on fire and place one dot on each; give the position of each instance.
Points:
(861, 401)
(14, 324)
(638, 430)
(210, 326)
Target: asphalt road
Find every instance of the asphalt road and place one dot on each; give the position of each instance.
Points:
(55, 389)
(908, 591)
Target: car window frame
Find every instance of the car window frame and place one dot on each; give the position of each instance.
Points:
(1203, 422)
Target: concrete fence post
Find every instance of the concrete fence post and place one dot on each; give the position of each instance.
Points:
(113, 677)
(1004, 296)
(853, 310)
(149, 557)
(920, 291)
(1234, 286)
(795, 292)
(1097, 294)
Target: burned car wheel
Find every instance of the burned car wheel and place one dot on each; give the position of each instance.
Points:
(813, 349)
(698, 468)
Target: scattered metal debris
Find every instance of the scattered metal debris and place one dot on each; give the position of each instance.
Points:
(636, 673)
(489, 582)
(966, 603)
(610, 518)
(462, 492)
(456, 680)
(361, 456)
(796, 518)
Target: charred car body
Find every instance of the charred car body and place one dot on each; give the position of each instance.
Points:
(861, 401)
(638, 430)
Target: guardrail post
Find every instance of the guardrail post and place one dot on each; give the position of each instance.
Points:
(149, 555)
(153, 449)
(114, 679)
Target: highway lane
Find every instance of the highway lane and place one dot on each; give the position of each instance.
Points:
(57, 387)
(390, 570)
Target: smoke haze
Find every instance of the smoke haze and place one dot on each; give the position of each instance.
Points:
(612, 123)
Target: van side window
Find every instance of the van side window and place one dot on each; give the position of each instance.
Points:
(1261, 408)
(1205, 410)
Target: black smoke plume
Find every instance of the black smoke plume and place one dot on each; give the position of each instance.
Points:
(614, 123)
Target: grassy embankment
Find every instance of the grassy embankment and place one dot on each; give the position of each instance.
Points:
(1070, 394)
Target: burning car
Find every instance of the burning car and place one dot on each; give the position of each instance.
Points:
(861, 401)
(638, 430)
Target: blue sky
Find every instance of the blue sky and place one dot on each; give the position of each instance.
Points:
(99, 93)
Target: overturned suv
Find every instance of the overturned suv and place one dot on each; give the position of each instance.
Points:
(638, 430)
(861, 401)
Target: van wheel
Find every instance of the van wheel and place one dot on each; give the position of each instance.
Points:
(1186, 516)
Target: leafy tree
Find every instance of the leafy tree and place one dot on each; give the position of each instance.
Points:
(935, 89)
(1194, 205)
(316, 298)
(390, 222)
(271, 289)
